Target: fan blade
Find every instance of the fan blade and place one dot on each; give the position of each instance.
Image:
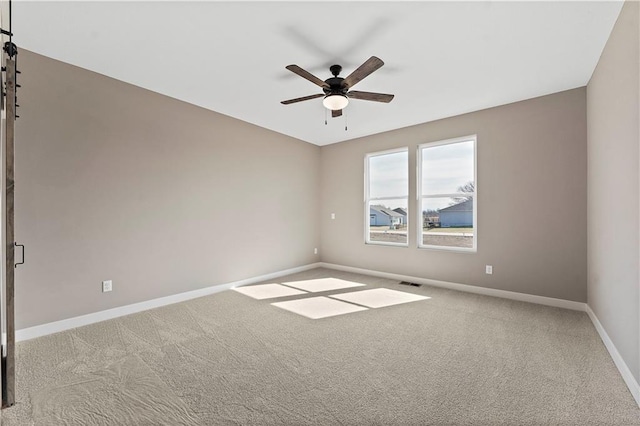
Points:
(307, 75)
(370, 96)
(305, 98)
(370, 65)
(336, 113)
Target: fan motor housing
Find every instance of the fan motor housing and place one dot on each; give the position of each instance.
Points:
(335, 86)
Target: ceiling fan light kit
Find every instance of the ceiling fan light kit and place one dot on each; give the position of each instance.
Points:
(336, 89)
(335, 102)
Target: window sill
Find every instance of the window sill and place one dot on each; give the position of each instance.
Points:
(451, 249)
(375, 243)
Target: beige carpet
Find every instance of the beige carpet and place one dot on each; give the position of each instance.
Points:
(456, 359)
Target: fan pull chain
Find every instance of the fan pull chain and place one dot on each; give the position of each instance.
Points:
(325, 116)
(345, 120)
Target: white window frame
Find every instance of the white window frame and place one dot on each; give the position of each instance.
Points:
(368, 198)
(420, 196)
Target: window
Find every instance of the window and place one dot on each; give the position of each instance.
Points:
(447, 194)
(386, 197)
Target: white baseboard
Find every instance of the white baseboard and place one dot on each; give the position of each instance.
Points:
(66, 324)
(69, 323)
(628, 378)
(540, 300)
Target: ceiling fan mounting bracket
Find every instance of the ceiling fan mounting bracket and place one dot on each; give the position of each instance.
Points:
(335, 70)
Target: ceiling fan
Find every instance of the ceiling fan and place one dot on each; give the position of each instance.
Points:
(336, 89)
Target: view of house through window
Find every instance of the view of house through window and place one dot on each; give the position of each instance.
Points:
(447, 194)
(386, 196)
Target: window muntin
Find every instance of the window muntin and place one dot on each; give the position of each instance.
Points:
(386, 197)
(447, 197)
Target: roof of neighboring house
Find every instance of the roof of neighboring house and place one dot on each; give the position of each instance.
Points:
(400, 210)
(386, 211)
(465, 206)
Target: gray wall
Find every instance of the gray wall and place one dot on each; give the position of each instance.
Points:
(613, 182)
(532, 199)
(116, 182)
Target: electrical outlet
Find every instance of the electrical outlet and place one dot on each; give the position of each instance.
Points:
(333, 215)
(107, 286)
(489, 269)
(315, 250)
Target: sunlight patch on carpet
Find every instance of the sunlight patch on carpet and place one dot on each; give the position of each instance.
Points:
(268, 291)
(318, 307)
(379, 297)
(322, 284)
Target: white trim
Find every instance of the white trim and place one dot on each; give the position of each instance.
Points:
(368, 199)
(450, 248)
(66, 324)
(628, 378)
(420, 196)
(450, 141)
(505, 294)
(450, 195)
(69, 323)
(387, 151)
(387, 244)
(399, 197)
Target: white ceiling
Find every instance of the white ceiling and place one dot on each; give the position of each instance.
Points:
(441, 58)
